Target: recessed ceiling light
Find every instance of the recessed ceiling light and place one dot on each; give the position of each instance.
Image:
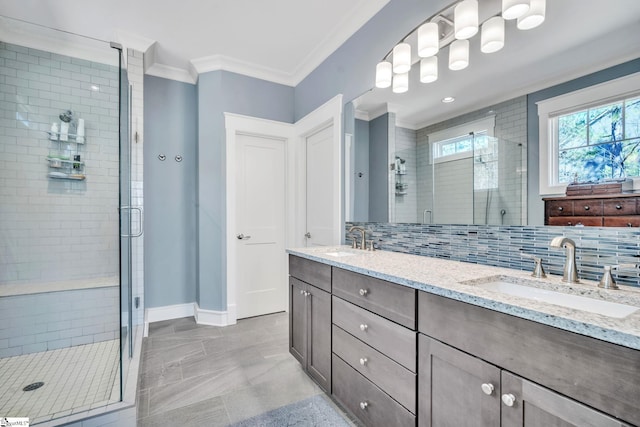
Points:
(448, 99)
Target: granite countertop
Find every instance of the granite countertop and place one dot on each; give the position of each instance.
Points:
(458, 280)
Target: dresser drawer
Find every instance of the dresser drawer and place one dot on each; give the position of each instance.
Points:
(589, 221)
(314, 273)
(559, 208)
(395, 302)
(587, 207)
(365, 400)
(622, 221)
(391, 377)
(391, 339)
(616, 207)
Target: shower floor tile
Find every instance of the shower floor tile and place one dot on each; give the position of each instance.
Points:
(74, 377)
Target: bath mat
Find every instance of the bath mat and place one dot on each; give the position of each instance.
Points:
(314, 411)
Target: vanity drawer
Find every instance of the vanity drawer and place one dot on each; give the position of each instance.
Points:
(622, 221)
(314, 273)
(589, 221)
(395, 302)
(365, 400)
(391, 377)
(587, 207)
(559, 208)
(391, 339)
(616, 207)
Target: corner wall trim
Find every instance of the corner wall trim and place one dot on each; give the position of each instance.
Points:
(202, 316)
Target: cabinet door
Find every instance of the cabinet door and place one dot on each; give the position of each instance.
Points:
(319, 336)
(456, 389)
(536, 406)
(298, 320)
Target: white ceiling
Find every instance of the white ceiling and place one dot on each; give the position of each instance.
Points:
(578, 37)
(278, 40)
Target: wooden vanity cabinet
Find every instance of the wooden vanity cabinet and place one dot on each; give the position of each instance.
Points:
(556, 378)
(310, 318)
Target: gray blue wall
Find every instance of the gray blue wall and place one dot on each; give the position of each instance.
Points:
(378, 168)
(170, 192)
(361, 166)
(220, 92)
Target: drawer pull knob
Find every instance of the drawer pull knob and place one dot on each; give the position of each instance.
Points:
(586, 208)
(508, 399)
(618, 207)
(363, 327)
(487, 388)
(560, 208)
(629, 224)
(363, 405)
(363, 292)
(363, 361)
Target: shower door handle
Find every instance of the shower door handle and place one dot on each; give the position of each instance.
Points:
(141, 228)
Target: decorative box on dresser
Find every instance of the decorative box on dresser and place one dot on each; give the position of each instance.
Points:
(601, 210)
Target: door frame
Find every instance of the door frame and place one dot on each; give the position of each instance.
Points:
(235, 125)
(330, 113)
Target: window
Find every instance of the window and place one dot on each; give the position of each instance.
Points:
(590, 135)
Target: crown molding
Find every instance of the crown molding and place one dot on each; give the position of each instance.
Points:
(133, 41)
(172, 73)
(227, 63)
(361, 115)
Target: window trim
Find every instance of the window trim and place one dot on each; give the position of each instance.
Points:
(487, 123)
(549, 110)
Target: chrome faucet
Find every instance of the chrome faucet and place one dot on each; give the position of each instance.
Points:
(570, 273)
(363, 234)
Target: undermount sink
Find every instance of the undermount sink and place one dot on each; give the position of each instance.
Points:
(507, 286)
(340, 253)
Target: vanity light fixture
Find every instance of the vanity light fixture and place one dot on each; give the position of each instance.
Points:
(453, 27)
(459, 55)
(401, 83)
(513, 9)
(465, 19)
(402, 58)
(429, 69)
(492, 36)
(534, 16)
(384, 73)
(448, 99)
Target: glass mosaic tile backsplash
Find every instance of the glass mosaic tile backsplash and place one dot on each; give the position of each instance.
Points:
(503, 246)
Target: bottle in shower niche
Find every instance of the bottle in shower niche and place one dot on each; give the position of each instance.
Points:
(64, 131)
(53, 134)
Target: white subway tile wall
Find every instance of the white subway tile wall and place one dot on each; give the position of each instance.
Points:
(47, 321)
(406, 148)
(53, 230)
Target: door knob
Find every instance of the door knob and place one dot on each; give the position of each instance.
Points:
(307, 235)
(508, 399)
(487, 388)
(363, 292)
(243, 237)
(363, 405)
(363, 361)
(363, 327)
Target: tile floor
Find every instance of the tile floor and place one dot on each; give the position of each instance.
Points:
(194, 375)
(76, 379)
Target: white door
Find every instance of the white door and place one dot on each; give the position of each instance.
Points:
(260, 226)
(321, 174)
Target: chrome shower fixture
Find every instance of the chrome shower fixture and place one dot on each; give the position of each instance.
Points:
(66, 116)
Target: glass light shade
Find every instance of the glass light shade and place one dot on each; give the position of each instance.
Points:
(383, 74)
(429, 69)
(459, 55)
(512, 9)
(402, 58)
(492, 36)
(428, 40)
(401, 83)
(534, 17)
(465, 19)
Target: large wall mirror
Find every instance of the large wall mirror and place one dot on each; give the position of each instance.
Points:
(413, 157)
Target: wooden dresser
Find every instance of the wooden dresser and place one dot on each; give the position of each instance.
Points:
(603, 210)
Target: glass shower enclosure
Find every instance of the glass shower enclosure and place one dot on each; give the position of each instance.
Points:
(66, 311)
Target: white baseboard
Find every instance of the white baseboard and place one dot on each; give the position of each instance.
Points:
(211, 317)
(202, 316)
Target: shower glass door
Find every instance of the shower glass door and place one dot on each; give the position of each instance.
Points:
(126, 348)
